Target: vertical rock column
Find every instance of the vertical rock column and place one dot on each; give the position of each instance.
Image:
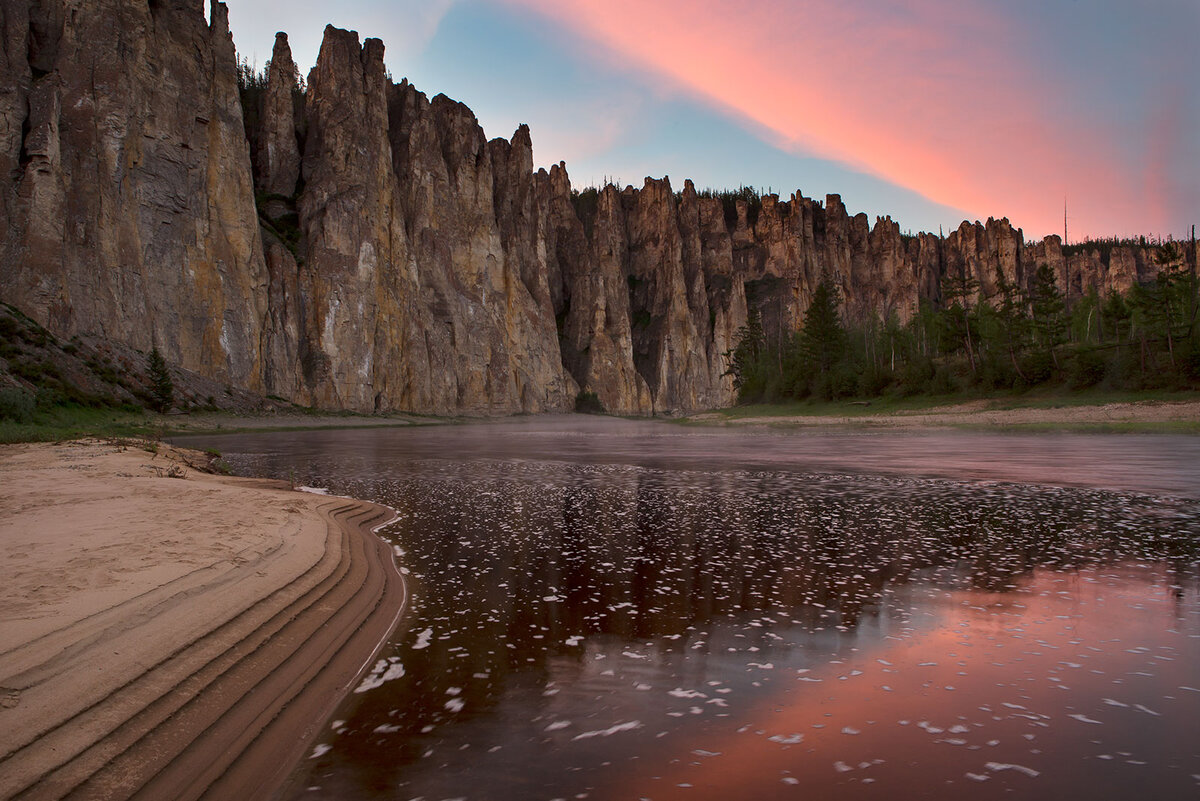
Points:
(591, 296)
(424, 277)
(355, 291)
(129, 209)
(277, 174)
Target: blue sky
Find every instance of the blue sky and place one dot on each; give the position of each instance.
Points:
(931, 111)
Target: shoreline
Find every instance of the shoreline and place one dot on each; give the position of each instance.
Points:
(172, 634)
(1149, 416)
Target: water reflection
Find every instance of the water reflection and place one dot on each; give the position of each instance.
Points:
(603, 628)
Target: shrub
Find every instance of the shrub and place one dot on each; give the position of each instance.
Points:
(941, 382)
(588, 402)
(1038, 367)
(1087, 369)
(872, 381)
(49, 397)
(16, 404)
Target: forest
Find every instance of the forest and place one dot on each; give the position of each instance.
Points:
(1013, 340)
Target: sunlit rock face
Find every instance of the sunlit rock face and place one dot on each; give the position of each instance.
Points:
(356, 245)
(590, 296)
(421, 262)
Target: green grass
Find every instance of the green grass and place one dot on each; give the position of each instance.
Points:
(67, 422)
(180, 431)
(1189, 427)
(1051, 398)
(1047, 398)
(839, 408)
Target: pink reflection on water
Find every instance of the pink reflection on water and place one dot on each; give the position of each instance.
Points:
(1081, 683)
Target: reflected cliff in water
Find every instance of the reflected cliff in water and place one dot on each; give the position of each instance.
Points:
(628, 613)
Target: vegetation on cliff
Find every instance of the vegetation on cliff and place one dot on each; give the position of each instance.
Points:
(53, 389)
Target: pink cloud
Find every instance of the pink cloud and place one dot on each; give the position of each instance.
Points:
(938, 96)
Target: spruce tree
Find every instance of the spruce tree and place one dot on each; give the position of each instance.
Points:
(959, 288)
(1010, 311)
(1048, 310)
(746, 360)
(823, 340)
(162, 388)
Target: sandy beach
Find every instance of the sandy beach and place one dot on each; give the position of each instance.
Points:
(166, 633)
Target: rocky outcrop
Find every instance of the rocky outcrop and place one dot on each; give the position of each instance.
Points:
(421, 277)
(590, 295)
(984, 252)
(349, 243)
(277, 147)
(127, 197)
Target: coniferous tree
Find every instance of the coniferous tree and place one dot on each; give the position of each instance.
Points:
(162, 388)
(1014, 325)
(1048, 312)
(1011, 339)
(822, 341)
(1169, 304)
(959, 289)
(1114, 316)
(746, 360)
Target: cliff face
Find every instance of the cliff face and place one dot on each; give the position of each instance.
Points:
(357, 245)
(421, 267)
(127, 201)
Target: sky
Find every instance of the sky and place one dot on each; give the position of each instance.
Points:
(928, 111)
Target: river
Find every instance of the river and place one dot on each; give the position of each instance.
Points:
(613, 609)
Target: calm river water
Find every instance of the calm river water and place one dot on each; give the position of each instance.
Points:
(607, 609)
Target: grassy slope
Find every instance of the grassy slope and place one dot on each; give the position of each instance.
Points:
(61, 423)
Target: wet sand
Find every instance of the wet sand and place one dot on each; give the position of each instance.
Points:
(174, 637)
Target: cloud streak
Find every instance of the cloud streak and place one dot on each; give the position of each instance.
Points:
(950, 98)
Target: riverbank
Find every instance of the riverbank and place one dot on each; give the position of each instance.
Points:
(63, 423)
(172, 633)
(1168, 416)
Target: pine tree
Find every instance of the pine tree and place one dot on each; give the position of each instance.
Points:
(1048, 310)
(822, 341)
(1114, 316)
(1010, 311)
(959, 288)
(746, 358)
(162, 388)
(1169, 304)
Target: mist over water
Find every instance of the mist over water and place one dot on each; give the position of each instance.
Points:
(605, 609)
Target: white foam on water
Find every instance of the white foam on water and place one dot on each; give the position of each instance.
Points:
(999, 766)
(630, 725)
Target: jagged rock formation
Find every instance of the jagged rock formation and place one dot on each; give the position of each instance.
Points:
(354, 244)
(277, 147)
(423, 285)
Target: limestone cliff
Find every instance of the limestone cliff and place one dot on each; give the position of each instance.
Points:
(349, 243)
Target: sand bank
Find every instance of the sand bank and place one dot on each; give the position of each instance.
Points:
(166, 637)
(985, 414)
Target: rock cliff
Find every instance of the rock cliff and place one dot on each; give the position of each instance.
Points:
(128, 207)
(349, 243)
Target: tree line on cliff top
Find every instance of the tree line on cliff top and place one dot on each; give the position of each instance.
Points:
(1146, 338)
